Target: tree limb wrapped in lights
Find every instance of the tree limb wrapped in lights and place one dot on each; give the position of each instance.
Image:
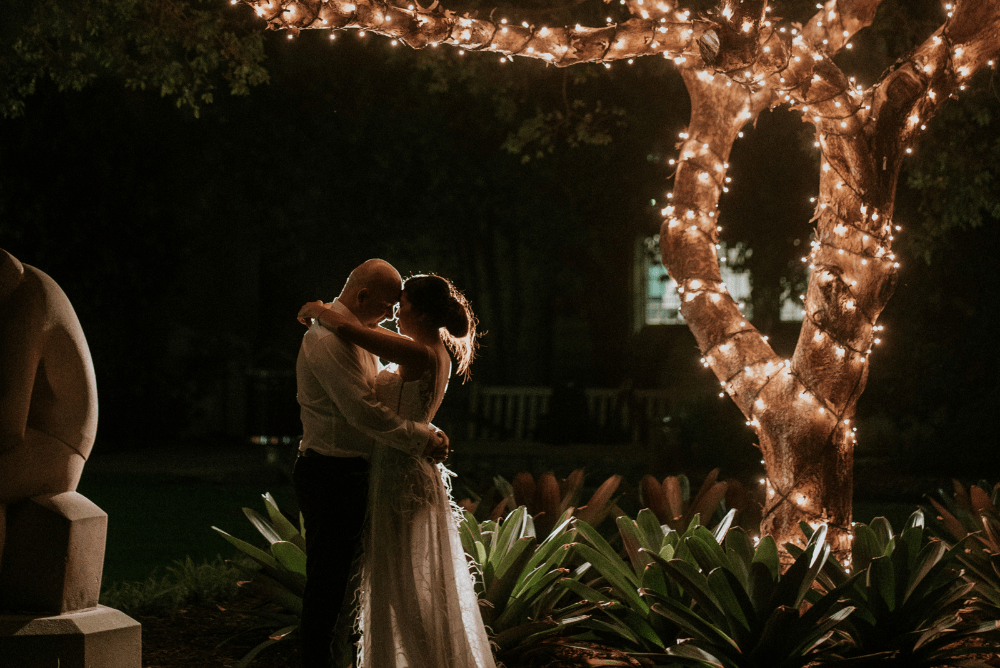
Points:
(736, 63)
(560, 46)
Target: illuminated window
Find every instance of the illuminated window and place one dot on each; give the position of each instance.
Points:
(661, 304)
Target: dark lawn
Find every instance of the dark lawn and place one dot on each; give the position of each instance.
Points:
(154, 520)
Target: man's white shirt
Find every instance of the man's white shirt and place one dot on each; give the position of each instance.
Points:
(336, 391)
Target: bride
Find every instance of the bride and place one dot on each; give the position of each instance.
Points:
(418, 608)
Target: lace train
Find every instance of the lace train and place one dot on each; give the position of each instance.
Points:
(418, 607)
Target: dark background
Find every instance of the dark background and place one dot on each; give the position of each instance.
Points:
(187, 244)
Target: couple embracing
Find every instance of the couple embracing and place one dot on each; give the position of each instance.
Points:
(368, 475)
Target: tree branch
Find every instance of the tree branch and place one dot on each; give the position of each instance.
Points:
(656, 10)
(560, 46)
(832, 28)
(910, 94)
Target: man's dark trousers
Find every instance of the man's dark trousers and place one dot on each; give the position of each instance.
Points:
(333, 495)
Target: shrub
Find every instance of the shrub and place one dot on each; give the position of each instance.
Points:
(624, 617)
(746, 613)
(972, 517)
(183, 583)
(909, 598)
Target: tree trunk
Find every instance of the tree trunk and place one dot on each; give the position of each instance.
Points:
(802, 409)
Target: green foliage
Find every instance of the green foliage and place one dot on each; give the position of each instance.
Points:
(726, 600)
(520, 600)
(953, 177)
(746, 611)
(573, 125)
(546, 109)
(184, 583)
(909, 597)
(623, 588)
(185, 49)
(278, 575)
(699, 598)
(516, 576)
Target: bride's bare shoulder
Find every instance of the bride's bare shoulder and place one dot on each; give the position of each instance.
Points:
(419, 362)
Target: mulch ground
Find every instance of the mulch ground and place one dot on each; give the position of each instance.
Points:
(208, 637)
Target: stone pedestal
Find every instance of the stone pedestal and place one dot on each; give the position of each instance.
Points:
(96, 638)
(54, 554)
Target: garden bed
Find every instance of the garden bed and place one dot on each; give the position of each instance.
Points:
(205, 636)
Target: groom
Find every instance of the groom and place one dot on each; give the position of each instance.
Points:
(342, 423)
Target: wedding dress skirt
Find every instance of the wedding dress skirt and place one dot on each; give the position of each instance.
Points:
(418, 607)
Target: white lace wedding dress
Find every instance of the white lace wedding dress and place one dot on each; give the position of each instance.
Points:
(418, 608)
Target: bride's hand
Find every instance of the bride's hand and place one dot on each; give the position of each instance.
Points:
(437, 447)
(332, 320)
(310, 311)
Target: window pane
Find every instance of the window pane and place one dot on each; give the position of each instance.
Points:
(662, 303)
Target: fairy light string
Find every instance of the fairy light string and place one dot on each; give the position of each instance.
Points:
(561, 46)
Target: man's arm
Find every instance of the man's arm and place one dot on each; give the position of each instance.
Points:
(338, 368)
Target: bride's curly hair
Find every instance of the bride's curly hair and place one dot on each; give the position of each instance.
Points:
(449, 310)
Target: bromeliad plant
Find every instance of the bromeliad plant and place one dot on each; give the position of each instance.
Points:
(280, 575)
(746, 612)
(727, 601)
(625, 617)
(909, 598)
(973, 516)
(967, 511)
(671, 503)
(516, 579)
(547, 499)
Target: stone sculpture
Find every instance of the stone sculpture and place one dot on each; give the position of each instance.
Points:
(51, 537)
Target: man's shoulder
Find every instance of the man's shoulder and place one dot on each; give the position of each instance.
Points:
(319, 339)
(317, 334)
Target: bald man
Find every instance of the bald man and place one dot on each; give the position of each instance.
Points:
(48, 394)
(342, 423)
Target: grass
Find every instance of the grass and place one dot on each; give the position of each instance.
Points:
(156, 521)
(183, 583)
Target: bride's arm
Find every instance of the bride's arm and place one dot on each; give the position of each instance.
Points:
(402, 350)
